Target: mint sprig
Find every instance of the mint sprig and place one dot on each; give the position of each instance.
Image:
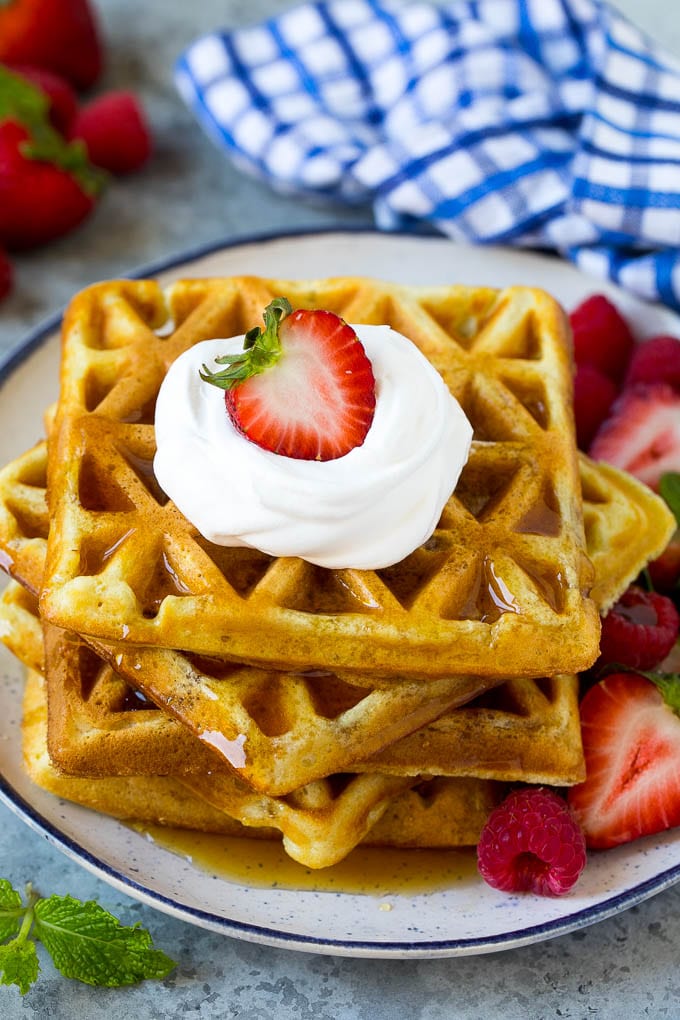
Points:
(85, 941)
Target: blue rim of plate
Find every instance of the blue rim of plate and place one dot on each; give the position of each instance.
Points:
(271, 936)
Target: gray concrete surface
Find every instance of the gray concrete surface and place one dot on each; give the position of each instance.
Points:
(625, 967)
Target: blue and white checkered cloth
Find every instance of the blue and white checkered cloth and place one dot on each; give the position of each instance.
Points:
(543, 123)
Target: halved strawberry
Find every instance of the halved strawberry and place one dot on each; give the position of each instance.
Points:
(642, 433)
(602, 337)
(302, 388)
(631, 740)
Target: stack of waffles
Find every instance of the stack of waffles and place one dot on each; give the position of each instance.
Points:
(172, 681)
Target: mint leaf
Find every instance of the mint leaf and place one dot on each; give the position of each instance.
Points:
(669, 487)
(11, 910)
(88, 943)
(19, 964)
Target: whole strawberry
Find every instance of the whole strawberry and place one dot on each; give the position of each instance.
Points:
(303, 387)
(47, 186)
(58, 35)
(115, 132)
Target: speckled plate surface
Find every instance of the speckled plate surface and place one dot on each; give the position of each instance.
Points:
(466, 918)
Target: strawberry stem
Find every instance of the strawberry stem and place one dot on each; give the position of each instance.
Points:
(261, 350)
(668, 684)
(24, 103)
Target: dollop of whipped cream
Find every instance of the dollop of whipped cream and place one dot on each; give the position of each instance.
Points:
(366, 510)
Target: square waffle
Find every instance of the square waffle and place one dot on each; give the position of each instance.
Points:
(439, 813)
(93, 731)
(500, 581)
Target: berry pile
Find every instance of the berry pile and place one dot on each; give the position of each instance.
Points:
(55, 154)
(627, 412)
(626, 395)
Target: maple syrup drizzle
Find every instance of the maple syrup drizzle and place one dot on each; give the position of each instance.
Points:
(370, 871)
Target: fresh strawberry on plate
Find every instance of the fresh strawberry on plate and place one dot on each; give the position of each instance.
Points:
(642, 433)
(303, 387)
(631, 741)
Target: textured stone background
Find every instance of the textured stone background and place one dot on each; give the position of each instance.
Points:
(624, 967)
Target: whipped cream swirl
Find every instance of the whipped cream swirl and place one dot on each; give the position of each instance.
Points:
(366, 510)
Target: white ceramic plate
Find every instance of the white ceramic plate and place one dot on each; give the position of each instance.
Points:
(465, 919)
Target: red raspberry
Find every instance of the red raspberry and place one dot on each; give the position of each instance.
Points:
(639, 630)
(656, 360)
(594, 395)
(532, 843)
(6, 275)
(601, 337)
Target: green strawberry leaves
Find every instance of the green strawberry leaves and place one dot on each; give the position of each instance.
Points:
(261, 350)
(85, 941)
(22, 102)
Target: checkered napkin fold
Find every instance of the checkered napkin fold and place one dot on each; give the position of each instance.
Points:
(542, 123)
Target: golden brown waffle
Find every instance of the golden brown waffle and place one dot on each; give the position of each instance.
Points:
(20, 628)
(24, 521)
(524, 731)
(500, 581)
(297, 727)
(91, 735)
(320, 823)
(440, 813)
(627, 526)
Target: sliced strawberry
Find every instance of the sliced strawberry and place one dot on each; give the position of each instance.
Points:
(656, 360)
(601, 337)
(642, 433)
(302, 388)
(639, 630)
(631, 741)
(594, 394)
